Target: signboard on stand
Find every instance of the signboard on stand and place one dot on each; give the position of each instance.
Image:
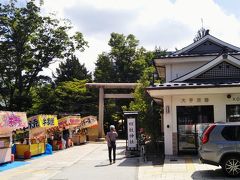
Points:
(131, 136)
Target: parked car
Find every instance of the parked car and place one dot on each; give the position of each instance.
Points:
(220, 146)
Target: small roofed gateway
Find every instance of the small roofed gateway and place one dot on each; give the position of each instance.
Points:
(202, 86)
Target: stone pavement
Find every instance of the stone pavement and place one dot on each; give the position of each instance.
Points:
(96, 166)
(180, 168)
(90, 162)
(48, 166)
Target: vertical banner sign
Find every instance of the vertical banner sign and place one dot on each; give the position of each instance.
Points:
(131, 126)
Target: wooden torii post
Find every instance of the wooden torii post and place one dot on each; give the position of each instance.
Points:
(102, 96)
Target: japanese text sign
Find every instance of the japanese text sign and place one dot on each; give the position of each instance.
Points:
(131, 127)
(13, 120)
(70, 120)
(88, 121)
(42, 121)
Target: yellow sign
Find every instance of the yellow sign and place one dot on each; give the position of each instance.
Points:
(42, 121)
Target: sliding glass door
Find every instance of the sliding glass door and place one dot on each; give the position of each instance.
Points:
(191, 121)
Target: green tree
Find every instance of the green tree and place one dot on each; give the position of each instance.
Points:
(30, 42)
(44, 100)
(126, 62)
(67, 97)
(149, 111)
(118, 65)
(73, 97)
(149, 114)
(123, 51)
(104, 71)
(72, 69)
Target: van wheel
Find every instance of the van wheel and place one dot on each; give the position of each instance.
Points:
(231, 166)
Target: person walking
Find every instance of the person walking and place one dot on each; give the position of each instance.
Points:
(111, 142)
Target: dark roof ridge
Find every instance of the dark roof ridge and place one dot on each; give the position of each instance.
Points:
(205, 38)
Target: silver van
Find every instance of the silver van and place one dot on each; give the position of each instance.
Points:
(220, 146)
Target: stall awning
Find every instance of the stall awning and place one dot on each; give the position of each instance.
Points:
(42, 120)
(89, 121)
(69, 121)
(12, 120)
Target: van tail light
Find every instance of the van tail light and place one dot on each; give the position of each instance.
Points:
(206, 133)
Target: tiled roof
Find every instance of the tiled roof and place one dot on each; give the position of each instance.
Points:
(226, 47)
(194, 85)
(194, 55)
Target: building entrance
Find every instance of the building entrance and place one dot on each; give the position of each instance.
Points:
(233, 113)
(191, 121)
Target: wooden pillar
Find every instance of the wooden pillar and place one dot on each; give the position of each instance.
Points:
(101, 113)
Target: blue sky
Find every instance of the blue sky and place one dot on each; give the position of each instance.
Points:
(230, 6)
(169, 24)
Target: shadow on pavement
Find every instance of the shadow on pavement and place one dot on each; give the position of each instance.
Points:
(210, 174)
(121, 158)
(121, 152)
(121, 147)
(134, 161)
(103, 165)
(155, 152)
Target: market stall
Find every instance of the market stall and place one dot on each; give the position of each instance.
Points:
(71, 131)
(36, 143)
(90, 123)
(9, 121)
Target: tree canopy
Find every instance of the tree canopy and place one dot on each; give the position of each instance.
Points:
(122, 62)
(68, 97)
(30, 42)
(127, 62)
(71, 69)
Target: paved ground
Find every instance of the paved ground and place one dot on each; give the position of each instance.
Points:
(180, 168)
(96, 166)
(90, 162)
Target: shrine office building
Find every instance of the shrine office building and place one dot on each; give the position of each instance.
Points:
(202, 86)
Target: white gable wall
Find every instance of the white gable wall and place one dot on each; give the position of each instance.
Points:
(177, 70)
(177, 67)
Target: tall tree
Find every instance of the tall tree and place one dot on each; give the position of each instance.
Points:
(118, 64)
(67, 97)
(149, 112)
(72, 69)
(123, 50)
(29, 42)
(149, 115)
(44, 100)
(74, 97)
(126, 62)
(104, 71)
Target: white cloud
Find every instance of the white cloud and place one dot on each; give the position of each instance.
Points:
(164, 23)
